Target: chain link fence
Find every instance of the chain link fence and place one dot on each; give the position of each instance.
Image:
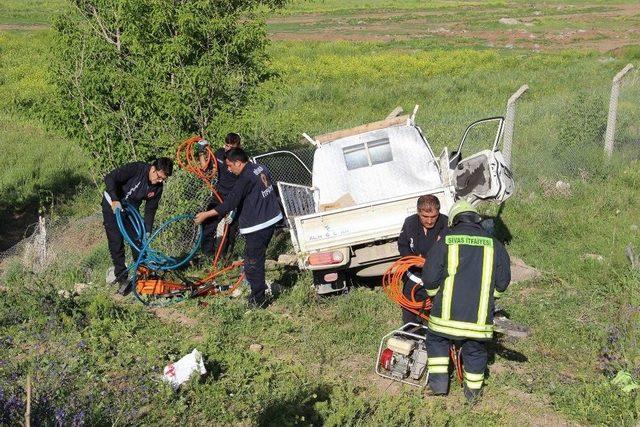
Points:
(291, 166)
(554, 140)
(183, 193)
(56, 241)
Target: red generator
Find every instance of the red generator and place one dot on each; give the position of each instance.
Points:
(402, 355)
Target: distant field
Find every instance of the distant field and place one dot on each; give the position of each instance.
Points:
(598, 25)
(28, 12)
(337, 6)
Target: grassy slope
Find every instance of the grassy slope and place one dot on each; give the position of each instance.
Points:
(28, 12)
(100, 358)
(38, 167)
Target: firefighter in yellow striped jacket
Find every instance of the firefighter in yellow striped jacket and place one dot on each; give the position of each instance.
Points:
(464, 273)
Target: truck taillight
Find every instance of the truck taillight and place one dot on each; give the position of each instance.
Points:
(326, 258)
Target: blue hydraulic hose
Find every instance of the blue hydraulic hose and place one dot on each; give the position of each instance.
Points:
(153, 259)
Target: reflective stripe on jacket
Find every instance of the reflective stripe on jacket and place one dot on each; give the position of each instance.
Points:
(464, 273)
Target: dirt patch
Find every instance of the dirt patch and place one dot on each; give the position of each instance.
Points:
(15, 225)
(500, 367)
(538, 409)
(385, 385)
(79, 237)
(168, 315)
(360, 369)
(521, 272)
(316, 17)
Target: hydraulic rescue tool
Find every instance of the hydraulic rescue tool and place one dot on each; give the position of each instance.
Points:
(402, 355)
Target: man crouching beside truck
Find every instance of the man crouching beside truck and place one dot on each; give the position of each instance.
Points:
(465, 272)
(419, 233)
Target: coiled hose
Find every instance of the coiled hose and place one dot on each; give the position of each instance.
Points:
(393, 283)
(141, 242)
(187, 159)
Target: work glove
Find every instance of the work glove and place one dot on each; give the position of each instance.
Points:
(229, 218)
(202, 146)
(115, 205)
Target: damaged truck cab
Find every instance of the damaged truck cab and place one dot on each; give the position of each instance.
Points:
(366, 180)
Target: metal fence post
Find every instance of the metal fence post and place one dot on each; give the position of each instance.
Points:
(510, 122)
(40, 245)
(613, 110)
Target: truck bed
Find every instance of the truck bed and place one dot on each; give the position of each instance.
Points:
(360, 224)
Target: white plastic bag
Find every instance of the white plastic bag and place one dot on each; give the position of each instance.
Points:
(180, 371)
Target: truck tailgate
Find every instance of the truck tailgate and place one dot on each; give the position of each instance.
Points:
(360, 224)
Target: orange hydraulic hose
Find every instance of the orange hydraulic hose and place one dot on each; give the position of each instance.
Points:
(393, 282)
(456, 357)
(188, 161)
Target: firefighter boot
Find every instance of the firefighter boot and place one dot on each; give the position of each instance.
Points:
(472, 394)
(474, 363)
(125, 287)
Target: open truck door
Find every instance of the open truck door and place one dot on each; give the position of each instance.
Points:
(484, 174)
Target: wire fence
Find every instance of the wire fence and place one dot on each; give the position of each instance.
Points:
(556, 142)
(550, 144)
(291, 166)
(55, 241)
(183, 193)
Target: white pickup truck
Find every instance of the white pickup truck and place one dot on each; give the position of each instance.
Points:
(366, 180)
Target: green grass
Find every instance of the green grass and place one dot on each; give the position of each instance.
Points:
(99, 359)
(39, 168)
(29, 12)
(324, 87)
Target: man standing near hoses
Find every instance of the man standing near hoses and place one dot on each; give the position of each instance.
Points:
(465, 272)
(132, 183)
(255, 197)
(225, 182)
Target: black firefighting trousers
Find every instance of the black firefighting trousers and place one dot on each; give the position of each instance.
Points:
(474, 363)
(254, 258)
(116, 241)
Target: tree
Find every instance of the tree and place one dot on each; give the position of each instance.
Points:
(133, 77)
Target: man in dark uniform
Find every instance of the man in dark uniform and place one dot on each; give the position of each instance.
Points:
(131, 183)
(419, 233)
(466, 271)
(224, 185)
(255, 197)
